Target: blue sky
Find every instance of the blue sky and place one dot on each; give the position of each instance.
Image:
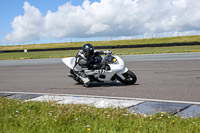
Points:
(9, 9)
(28, 21)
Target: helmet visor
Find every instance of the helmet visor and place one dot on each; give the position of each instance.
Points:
(89, 53)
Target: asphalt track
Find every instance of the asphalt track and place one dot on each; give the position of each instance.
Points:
(160, 76)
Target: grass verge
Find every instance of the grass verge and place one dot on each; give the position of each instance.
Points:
(106, 43)
(22, 117)
(125, 51)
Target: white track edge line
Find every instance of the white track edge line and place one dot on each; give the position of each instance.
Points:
(108, 97)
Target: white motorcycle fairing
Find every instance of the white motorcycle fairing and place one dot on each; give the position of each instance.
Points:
(69, 61)
(116, 69)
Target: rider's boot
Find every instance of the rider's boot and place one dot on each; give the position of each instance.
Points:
(87, 84)
(86, 81)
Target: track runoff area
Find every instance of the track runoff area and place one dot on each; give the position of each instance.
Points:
(137, 105)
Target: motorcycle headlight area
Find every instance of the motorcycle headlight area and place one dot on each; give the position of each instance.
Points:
(111, 59)
(114, 60)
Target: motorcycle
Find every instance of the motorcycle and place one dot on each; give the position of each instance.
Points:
(112, 70)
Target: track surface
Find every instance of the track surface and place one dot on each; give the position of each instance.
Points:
(161, 76)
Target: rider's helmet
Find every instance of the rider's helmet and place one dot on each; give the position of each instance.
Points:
(88, 50)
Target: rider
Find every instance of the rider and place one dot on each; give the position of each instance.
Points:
(87, 58)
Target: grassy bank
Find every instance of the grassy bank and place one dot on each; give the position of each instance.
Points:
(106, 43)
(22, 117)
(70, 53)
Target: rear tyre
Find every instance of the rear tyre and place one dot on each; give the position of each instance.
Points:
(130, 78)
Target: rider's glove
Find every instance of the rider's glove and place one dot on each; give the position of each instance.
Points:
(107, 52)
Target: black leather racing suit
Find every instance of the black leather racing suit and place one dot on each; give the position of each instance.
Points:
(82, 63)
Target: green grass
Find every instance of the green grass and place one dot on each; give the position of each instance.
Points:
(106, 43)
(48, 117)
(70, 53)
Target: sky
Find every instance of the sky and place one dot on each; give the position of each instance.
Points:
(45, 21)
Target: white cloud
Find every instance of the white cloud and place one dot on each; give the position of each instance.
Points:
(26, 27)
(97, 28)
(107, 18)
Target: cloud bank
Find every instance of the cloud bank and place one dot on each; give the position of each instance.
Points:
(107, 18)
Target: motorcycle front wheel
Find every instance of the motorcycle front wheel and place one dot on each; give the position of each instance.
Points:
(130, 78)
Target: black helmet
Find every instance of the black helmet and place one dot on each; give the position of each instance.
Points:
(88, 50)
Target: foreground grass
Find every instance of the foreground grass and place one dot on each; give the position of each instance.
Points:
(106, 43)
(22, 117)
(70, 53)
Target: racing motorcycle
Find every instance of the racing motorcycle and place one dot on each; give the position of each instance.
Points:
(112, 70)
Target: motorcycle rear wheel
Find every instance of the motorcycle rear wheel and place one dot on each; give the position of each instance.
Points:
(130, 78)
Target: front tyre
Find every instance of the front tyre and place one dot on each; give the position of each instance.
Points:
(130, 78)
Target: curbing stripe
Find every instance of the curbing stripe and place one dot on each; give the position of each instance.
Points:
(108, 97)
(97, 102)
(183, 109)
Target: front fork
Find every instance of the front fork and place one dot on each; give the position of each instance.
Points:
(120, 74)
